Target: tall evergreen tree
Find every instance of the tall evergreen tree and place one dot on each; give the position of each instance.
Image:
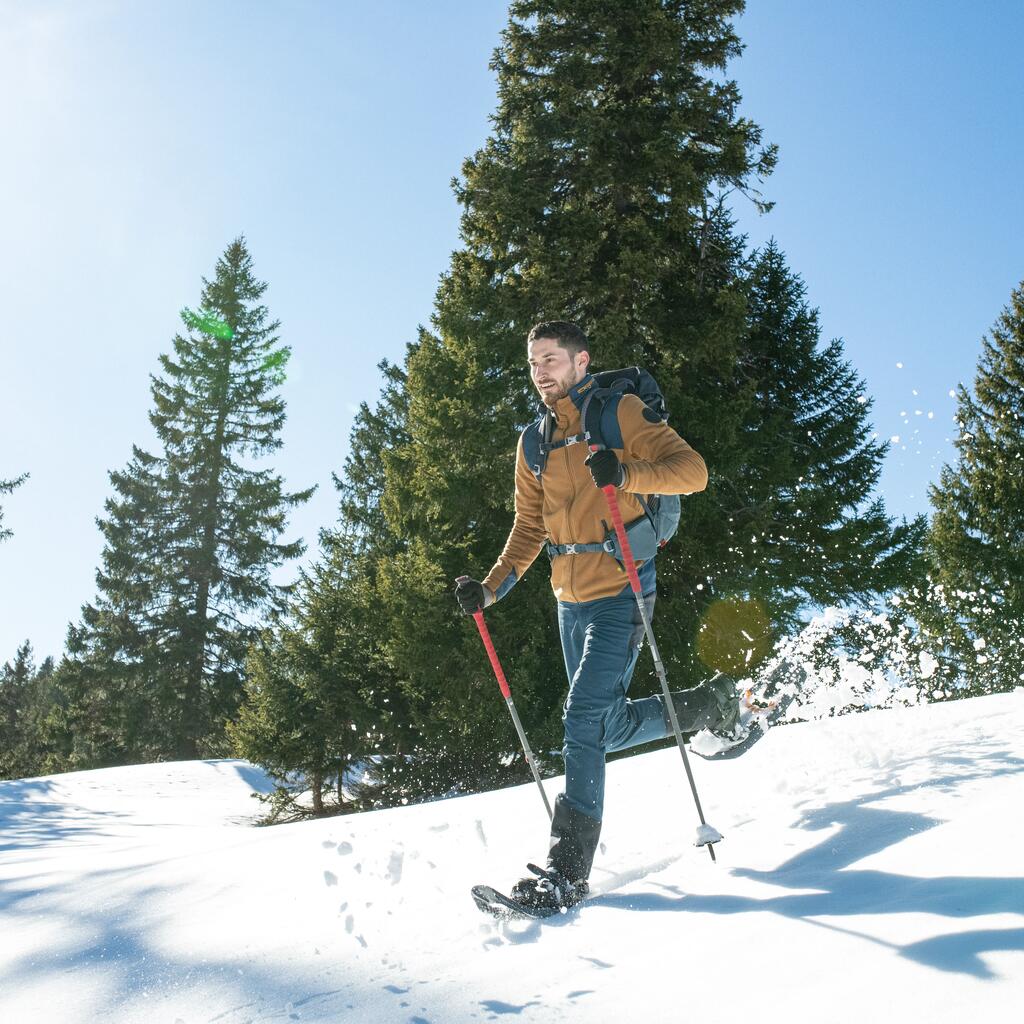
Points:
(598, 198)
(312, 708)
(789, 519)
(977, 533)
(7, 487)
(192, 535)
(601, 197)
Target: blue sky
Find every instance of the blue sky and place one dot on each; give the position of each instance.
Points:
(141, 138)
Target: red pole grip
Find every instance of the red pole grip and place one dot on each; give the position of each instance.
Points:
(485, 635)
(620, 532)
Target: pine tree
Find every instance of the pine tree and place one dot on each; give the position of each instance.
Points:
(192, 535)
(597, 198)
(976, 540)
(7, 487)
(25, 700)
(789, 520)
(15, 678)
(311, 710)
(601, 197)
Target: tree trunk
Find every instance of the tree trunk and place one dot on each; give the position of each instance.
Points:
(193, 717)
(316, 784)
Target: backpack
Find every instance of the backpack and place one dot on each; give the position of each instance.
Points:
(600, 419)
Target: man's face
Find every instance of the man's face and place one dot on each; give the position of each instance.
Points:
(554, 369)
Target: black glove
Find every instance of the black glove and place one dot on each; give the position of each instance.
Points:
(472, 595)
(605, 468)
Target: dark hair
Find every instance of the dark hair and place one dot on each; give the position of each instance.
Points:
(568, 335)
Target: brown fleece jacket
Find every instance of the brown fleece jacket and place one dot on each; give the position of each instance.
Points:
(567, 507)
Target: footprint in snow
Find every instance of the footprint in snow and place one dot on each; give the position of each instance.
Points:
(480, 832)
(330, 878)
(395, 866)
(344, 849)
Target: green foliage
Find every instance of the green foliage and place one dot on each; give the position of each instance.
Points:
(601, 197)
(208, 323)
(275, 364)
(788, 518)
(313, 707)
(7, 487)
(192, 535)
(976, 542)
(26, 698)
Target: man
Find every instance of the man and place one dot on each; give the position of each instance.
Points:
(598, 618)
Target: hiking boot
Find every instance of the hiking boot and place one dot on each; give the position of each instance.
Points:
(695, 709)
(745, 720)
(574, 838)
(547, 889)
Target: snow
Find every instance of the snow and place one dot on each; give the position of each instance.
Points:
(707, 834)
(870, 870)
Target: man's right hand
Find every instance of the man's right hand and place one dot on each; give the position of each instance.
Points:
(472, 595)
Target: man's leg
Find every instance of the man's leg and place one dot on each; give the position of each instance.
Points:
(632, 722)
(599, 643)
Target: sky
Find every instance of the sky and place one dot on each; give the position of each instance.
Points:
(140, 139)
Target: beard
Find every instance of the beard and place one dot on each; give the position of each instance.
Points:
(559, 389)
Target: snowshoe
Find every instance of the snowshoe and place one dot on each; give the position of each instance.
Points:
(544, 893)
(736, 735)
(503, 907)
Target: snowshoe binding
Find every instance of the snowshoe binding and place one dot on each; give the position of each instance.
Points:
(544, 893)
(749, 719)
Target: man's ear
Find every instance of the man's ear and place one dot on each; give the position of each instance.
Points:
(585, 356)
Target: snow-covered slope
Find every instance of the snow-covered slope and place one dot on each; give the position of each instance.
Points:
(872, 869)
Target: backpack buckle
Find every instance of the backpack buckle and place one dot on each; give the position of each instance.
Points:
(570, 549)
(575, 439)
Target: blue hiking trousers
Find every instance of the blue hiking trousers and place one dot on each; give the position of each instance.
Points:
(601, 641)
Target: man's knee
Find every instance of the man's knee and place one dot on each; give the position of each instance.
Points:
(584, 726)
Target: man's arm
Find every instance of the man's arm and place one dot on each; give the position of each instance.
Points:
(656, 460)
(527, 536)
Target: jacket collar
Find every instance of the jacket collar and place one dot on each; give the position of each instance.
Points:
(564, 407)
(579, 392)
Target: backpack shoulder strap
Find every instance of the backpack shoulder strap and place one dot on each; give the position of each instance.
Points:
(536, 439)
(600, 416)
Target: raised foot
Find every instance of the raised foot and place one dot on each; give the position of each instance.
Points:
(756, 717)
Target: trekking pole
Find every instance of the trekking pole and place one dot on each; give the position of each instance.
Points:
(706, 834)
(499, 674)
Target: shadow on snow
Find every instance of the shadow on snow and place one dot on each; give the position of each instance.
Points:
(845, 891)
